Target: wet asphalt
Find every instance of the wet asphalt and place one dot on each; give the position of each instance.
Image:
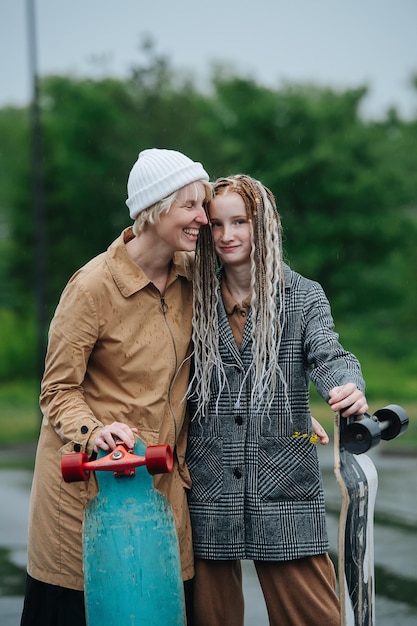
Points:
(395, 548)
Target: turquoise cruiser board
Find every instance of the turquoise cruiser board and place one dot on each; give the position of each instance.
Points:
(131, 557)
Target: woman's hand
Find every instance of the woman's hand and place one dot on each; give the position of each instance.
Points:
(105, 439)
(348, 399)
(319, 431)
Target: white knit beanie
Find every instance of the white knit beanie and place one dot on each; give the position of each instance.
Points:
(158, 173)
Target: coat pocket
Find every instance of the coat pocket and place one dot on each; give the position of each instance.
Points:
(288, 469)
(204, 461)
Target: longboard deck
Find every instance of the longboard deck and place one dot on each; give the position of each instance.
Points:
(358, 481)
(132, 567)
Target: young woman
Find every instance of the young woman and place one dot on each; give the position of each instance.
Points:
(117, 365)
(261, 333)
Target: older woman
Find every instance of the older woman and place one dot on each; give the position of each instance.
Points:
(117, 365)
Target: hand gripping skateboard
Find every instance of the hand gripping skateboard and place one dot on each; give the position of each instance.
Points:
(358, 481)
(131, 561)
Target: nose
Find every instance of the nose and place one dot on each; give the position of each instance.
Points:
(201, 216)
(227, 233)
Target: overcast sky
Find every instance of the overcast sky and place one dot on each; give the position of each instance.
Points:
(341, 43)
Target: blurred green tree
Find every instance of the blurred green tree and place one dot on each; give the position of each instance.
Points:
(330, 172)
(345, 187)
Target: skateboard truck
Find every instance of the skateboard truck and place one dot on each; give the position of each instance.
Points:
(361, 433)
(121, 461)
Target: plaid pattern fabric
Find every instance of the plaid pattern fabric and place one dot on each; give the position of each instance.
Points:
(256, 488)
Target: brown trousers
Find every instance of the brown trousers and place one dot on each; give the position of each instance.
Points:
(297, 593)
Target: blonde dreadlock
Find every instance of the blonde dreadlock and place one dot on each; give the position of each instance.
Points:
(267, 299)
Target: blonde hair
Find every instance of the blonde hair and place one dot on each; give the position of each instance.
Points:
(267, 300)
(152, 214)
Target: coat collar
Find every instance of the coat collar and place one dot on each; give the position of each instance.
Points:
(288, 273)
(129, 277)
(225, 332)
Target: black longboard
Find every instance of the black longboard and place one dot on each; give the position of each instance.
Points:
(358, 480)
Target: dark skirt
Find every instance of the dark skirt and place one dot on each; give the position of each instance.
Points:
(50, 605)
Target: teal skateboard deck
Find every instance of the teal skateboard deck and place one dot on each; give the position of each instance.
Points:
(132, 569)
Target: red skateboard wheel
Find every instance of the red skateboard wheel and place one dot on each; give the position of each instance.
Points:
(159, 459)
(72, 467)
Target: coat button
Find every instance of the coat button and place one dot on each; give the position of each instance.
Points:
(237, 473)
(77, 447)
(239, 420)
(84, 429)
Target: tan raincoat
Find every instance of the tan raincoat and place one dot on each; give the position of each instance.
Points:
(117, 352)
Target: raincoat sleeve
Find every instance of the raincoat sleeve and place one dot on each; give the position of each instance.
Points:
(72, 335)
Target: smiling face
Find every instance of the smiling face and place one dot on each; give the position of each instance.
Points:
(180, 226)
(231, 228)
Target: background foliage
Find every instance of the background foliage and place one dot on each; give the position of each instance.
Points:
(346, 188)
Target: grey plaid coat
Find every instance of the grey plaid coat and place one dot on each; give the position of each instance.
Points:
(256, 488)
